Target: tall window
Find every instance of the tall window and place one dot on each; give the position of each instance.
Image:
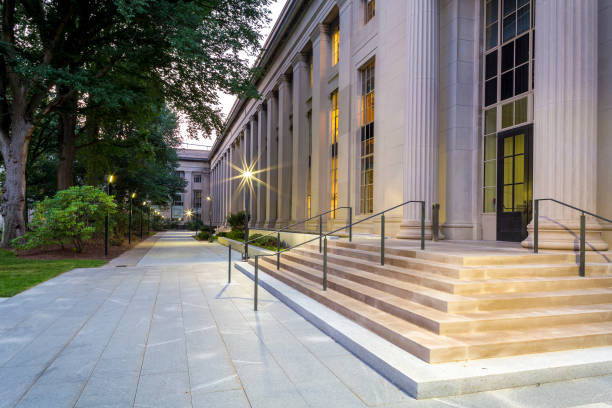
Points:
(366, 187)
(369, 10)
(335, 44)
(508, 79)
(309, 183)
(334, 152)
(197, 178)
(197, 199)
(311, 72)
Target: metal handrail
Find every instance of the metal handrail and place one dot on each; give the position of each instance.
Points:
(382, 241)
(277, 232)
(582, 257)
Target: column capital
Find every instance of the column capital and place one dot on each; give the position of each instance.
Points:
(342, 3)
(261, 106)
(300, 58)
(283, 80)
(321, 29)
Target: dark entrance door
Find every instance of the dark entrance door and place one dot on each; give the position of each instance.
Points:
(514, 183)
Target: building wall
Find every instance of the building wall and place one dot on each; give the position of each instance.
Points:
(272, 131)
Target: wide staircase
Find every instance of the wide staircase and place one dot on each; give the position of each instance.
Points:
(445, 306)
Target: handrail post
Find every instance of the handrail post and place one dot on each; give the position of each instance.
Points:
(423, 225)
(256, 280)
(278, 242)
(325, 263)
(582, 244)
(382, 239)
(229, 264)
(350, 224)
(536, 219)
(320, 231)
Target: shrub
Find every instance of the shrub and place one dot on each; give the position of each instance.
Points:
(235, 234)
(195, 225)
(237, 221)
(203, 236)
(72, 216)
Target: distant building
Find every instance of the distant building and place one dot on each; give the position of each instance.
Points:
(194, 168)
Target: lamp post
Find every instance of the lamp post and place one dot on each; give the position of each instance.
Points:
(132, 196)
(149, 221)
(209, 199)
(247, 175)
(144, 203)
(109, 181)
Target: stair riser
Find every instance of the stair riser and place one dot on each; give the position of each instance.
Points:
(376, 327)
(465, 287)
(404, 293)
(407, 276)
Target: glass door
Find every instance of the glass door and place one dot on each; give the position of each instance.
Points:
(514, 183)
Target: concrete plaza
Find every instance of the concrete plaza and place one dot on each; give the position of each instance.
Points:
(160, 327)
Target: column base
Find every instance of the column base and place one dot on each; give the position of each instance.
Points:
(270, 224)
(411, 229)
(565, 235)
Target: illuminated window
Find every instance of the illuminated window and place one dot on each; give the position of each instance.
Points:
(336, 45)
(507, 80)
(311, 73)
(366, 190)
(369, 10)
(309, 184)
(334, 152)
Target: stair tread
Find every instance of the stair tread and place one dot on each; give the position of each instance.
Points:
(433, 341)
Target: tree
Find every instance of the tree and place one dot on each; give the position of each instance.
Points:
(55, 55)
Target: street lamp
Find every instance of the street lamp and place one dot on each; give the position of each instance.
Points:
(132, 197)
(209, 199)
(144, 203)
(109, 180)
(247, 176)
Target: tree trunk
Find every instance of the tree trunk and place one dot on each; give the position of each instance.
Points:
(15, 154)
(67, 144)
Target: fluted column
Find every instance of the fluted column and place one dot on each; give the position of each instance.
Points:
(234, 163)
(262, 164)
(272, 152)
(285, 148)
(246, 158)
(421, 116)
(565, 122)
(320, 200)
(300, 138)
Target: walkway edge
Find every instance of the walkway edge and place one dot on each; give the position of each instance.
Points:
(423, 380)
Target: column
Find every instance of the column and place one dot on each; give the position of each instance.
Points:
(421, 115)
(565, 122)
(253, 159)
(299, 164)
(262, 164)
(232, 181)
(320, 200)
(272, 160)
(245, 160)
(285, 155)
(345, 108)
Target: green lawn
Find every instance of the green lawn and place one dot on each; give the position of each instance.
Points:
(17, 274)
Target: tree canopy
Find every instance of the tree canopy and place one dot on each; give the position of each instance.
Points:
(83, 75)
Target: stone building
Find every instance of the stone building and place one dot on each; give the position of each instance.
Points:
(194, 168)
(466, 115)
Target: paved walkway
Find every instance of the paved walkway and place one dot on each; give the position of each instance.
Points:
(169, 332)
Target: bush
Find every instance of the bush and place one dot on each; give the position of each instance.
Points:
(235, 234)
(72, 216)
(195, 225)
(237, 221)
(203, 236)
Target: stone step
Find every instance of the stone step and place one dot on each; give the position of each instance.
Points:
(435, 348)
(445, 323)
(471, 273)
(458, 286)
(452, 303)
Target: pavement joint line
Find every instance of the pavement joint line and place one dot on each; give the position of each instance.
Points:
(125, 309)
(199, 282)
(180, 293)
(146, 341)
(44, 370)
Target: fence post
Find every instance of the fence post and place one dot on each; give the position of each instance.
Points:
(325, 263)
(320, 232)
(256, 280)
(435, 222)
(350, 224)
(382, 239)
(229, 264)
(536, 219)
(582, 244)
(422, 225)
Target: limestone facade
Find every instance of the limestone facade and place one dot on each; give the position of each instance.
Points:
(466, 115)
